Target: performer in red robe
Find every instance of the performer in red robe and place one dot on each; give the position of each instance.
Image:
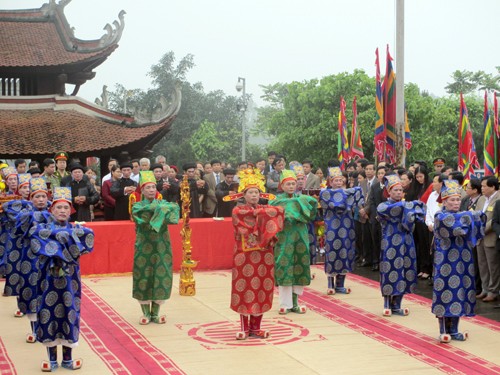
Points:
(255, 229)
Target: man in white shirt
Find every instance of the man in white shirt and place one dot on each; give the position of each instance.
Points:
(136, 168)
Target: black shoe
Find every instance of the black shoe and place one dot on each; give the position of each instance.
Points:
(375, 267)
(365, 264)
(497, 306)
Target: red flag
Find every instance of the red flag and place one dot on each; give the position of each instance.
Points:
(408, 142)
(356, 150)
(495, 114)
(343, 149)
(467, 157)
(379, 139)
(389, 89)
(489, 143)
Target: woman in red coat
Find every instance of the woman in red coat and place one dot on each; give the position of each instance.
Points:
(109, 200)
(255, 229)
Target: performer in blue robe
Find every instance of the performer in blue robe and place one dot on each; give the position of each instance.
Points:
(12, 243)
(455, 235)
(59, 245)
(26, 268)
(340, 247)
(398, 258)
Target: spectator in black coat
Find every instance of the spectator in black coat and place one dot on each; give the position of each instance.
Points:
(121, 190)
(83, 193)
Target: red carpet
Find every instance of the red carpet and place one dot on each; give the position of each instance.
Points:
(482, 321)
(446, 358)
(6, 365)
(122, 347)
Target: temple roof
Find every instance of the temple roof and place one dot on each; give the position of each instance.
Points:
(39, 126)
(43, 38)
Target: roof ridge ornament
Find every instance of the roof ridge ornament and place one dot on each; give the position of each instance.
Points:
(113, 35)
(167, 109)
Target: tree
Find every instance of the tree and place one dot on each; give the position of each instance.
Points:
(302, 118)
(214, 112)
(466, 82)
(462, 83)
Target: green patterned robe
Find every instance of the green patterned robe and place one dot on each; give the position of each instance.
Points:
(291, 253)
(152, 275)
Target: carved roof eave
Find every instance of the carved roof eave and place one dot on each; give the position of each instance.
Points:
(55, 12)
(166, 111)
(112, 35)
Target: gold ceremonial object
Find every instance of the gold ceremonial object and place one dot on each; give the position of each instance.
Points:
(187, 283)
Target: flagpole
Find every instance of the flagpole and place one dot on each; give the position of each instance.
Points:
(400, 94)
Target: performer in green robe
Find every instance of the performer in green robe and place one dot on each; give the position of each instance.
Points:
(291, 253)
(152, 274)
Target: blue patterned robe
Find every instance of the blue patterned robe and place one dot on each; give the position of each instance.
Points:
(10, 244)
(26, 268)
(455, 235)
(398, 259)
(59, 247)
(340, 247)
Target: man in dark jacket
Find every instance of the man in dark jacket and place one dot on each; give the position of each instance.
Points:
(121, 190)
(196, 188)
(225, 209)
(375, 197)
(83, 193)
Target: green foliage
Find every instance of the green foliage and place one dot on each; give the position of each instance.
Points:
(466, 82)
(207, 125)
(301, 118)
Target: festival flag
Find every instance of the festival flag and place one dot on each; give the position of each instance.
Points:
(379, 140)
(408, 143)
(389, 89)
(356, 150)
(490, 142)
(467, 157)
(495, 114)
(343, 146)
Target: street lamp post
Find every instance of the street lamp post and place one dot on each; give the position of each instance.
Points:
(240, 87)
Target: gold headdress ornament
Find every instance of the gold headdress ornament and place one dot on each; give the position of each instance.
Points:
(61, 193)
(334, 172)
(449, 189)
(249, 178)
(38, 184)
(9, 171)
(24, 178)
(391, 180)
(298, 169)
(146, 177)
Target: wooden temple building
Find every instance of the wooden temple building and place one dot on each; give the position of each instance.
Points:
(42, 66)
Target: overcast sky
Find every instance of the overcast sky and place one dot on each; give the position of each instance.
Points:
(282, 41)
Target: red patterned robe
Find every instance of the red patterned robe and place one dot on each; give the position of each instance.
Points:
(255, 230)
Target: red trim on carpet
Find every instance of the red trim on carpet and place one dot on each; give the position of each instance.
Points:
(6, 365)
(132, 349)
(479, 320)
(445, 357)
(96, 344)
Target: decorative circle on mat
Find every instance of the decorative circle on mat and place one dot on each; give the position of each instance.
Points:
(223, 333)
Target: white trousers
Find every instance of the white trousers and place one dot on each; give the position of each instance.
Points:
(286, 292)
